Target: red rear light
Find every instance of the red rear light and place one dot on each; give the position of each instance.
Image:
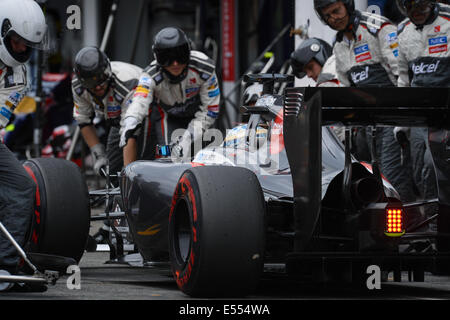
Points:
(394, 222)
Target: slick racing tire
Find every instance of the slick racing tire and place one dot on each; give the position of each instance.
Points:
(216, 231)
(62, 215)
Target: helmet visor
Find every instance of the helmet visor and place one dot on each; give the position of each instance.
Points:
(297, 68)
(406, 6)
(93, 81)
(180, 54)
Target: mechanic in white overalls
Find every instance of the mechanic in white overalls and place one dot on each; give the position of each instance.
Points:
(22, 28)
(424, 61)
(104, 88)
(366, 51)
(182, 90)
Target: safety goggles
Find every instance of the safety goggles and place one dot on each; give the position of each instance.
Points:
(166, 57)
(416, 5)
(97, 80)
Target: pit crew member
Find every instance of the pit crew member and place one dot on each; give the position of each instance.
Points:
(366, 51)
(424, 62)
(104, 88)
(23, 28)
(181, 88)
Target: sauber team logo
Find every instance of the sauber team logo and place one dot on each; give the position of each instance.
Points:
(362, 53)
(438, 44)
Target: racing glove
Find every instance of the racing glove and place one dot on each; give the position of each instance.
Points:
(129, 126)
(181, 149)
(100, 160)
(402, 135)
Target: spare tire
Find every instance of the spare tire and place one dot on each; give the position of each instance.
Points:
(62, 218)
(217, 231)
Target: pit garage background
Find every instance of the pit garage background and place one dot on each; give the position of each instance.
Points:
(241, 36)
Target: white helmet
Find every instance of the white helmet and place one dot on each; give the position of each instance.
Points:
(22, 23)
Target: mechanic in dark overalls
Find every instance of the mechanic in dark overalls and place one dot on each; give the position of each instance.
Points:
(366, 51)
(424, 61)
(17, 189)
(181, 88)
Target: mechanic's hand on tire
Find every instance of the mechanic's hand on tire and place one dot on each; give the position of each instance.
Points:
(100, 159)
(128, 127)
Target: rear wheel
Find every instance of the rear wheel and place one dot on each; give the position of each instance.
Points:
(216, 231)
(62, 217)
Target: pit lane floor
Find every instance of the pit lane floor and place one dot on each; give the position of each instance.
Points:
(105, 281)
(102, 281)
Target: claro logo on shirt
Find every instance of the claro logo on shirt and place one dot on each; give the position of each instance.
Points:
(360, 76)
(424, 68)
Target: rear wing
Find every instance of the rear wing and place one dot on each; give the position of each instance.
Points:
(306, 110)
(415, 107)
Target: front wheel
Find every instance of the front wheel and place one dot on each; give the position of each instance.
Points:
(216, 231)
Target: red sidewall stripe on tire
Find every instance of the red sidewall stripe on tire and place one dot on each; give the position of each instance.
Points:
(184, 189)
(37, 210)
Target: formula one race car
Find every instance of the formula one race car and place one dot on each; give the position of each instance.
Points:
(281, 189)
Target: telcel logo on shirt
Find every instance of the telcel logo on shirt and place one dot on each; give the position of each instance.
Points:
(362, 53)
(424, 68)
(438, 44)
(360, 76)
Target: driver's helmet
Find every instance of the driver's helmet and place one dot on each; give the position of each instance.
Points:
(252, 93)
(169, 45)
(309, 49)
(320, 4)
(92, 67)
(23, 25)
(405, 5)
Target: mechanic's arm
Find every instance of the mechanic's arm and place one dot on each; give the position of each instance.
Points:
(83, 113)
(130, 151)
(403, 78)
(341, 76)
(137, 110)
(9, 100)
(388, 41)
(89, 134)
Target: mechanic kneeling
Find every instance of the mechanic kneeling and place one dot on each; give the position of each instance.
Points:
(17, 191)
